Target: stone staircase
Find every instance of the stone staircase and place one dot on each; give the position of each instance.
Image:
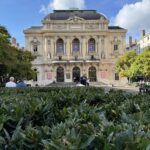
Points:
(62, 84)
(73, 84)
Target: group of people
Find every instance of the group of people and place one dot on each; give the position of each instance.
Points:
(83, 80)
(144, 87)
(12, 83)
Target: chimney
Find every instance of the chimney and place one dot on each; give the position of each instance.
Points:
(13, 41)
(142, 33)
(130, 41)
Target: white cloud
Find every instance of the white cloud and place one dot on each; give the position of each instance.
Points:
(62, 4)
(134, 17)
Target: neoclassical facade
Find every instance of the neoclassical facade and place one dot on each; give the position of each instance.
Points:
(72, 43)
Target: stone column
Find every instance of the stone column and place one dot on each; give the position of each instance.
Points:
(70, 43)
(96, 44)
(103, 48)
(83, 47)
(87, 46)
(65, 46)
(99, 47)
(45, 48)
(68, 47)
(52, 47)
(55, 52)
(106, 46)
(81, 42)
(48, 48)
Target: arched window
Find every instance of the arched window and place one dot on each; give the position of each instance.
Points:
(76, 74)
(92, 74)
(60, 74)
(60, 46)
(76, 45)
(91, 44)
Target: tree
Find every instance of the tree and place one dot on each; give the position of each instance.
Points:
(132, 65)
(124, 63)
(4, 35)
(141, 66)
(21, 67)
(13, 61)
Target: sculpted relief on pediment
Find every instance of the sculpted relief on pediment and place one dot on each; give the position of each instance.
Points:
(35, 41)
(75, 19)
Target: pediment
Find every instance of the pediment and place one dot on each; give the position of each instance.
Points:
(35, 41)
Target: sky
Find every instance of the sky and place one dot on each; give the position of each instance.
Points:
(17, 15)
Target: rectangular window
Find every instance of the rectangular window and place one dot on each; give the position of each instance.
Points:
(35, 48)
(60, 57)
(115, 47)
(92, 57)
(116, 76)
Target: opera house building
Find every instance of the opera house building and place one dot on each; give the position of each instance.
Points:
(72, 43)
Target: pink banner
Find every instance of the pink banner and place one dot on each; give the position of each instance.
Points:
(103, 74)
(49, 75)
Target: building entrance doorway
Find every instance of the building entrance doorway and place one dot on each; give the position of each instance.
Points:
(60, 74)
(92, 74)
(76, 74)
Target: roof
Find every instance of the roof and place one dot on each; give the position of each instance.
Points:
(35, 27)
(66, 14)
(114, 27)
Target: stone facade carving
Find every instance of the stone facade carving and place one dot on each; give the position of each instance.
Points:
(92, 26)
(59, 27)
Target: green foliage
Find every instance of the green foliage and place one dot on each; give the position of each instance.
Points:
(130, 64)
(141, 66)
(73, 118)
(4, 35)
(124, 63)
(13, 61)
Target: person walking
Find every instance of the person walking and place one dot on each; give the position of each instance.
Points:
(11, 82)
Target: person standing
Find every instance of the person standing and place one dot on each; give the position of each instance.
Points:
(11, 82)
